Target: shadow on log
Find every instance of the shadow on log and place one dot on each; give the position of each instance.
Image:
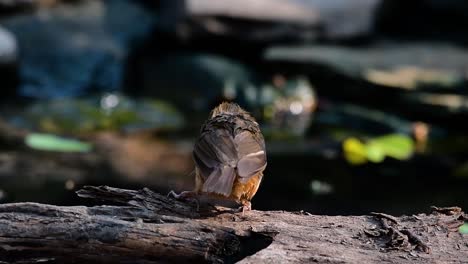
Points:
(146, 227)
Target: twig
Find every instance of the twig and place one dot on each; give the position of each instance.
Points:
(416, 240)
(386, 216)
(400, 238)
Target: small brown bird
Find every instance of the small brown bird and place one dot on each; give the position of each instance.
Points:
(229, 156)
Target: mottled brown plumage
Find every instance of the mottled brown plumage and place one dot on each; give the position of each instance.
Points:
(229, 155)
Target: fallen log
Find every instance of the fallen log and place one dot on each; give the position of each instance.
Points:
(146, 227)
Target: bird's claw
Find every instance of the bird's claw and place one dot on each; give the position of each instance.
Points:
(182, 195)
(174, 195)
(186, 195)
(246, 206)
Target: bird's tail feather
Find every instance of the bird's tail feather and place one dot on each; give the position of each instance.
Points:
(220, 181)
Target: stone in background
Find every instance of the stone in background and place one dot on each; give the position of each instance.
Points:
(75, 49)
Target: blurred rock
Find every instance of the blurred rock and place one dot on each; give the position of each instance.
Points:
(8, 62)
(75, 49)
(12, 7)
(8, 47)
(420, 81)
(410, 65)
(411, 77)
(440, 105)
(196, 82)
(361, 120)
(266, 20)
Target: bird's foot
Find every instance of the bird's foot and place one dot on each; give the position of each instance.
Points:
(246, 206)
(180, 196)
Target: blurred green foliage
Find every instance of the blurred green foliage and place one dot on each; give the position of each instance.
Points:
(48, 142)
(91, 114)
(464, 229)
(375, 150)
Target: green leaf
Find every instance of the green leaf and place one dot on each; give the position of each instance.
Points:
(354, 151)
(50, 142)
(397, 146)
(375, 153)
(463, 229)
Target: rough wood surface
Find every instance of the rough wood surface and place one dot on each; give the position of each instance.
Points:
(146, 227)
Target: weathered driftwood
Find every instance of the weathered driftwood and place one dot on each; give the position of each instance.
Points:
(146, 227)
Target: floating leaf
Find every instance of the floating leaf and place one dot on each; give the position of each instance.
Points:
(463, 229)
(50, 142)
(394, 145)
(375, 153)
(354, 151)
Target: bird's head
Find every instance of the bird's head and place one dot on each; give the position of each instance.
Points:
(227, 108)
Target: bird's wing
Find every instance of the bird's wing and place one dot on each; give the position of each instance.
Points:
(251, 153)
(216, 156)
